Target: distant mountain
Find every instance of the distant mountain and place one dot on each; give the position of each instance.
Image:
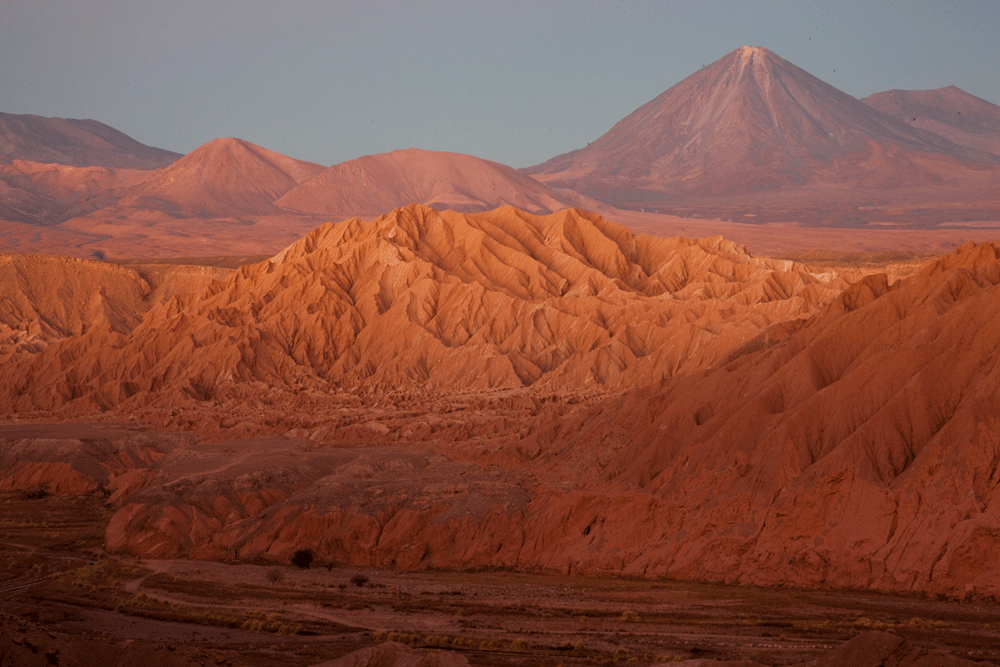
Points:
(751, 122)
(951, 112)
(77, 143)
(375, 184)
(221, 178)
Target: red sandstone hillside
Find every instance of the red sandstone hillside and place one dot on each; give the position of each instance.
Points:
(498, 379)
(753, 124)
(855, 448)
(497, 299)
(76, 143)
(44, 299)
(950, 112)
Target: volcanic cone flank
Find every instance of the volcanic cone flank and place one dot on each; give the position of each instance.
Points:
(78, 143)
(950, 112)
(222, 177)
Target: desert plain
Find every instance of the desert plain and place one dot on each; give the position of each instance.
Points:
(718, 389)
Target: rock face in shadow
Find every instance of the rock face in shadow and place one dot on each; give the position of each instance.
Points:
(861, 450)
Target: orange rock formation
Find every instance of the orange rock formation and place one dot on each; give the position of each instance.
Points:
(445, 390)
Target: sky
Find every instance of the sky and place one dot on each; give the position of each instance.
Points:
(510, 81)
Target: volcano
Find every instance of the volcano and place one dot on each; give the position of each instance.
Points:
(222, 177)
(753, 123)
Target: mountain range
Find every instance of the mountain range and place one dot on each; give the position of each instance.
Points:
(750, 138)
(754, 133)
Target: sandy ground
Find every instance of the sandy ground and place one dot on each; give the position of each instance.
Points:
(59, 583)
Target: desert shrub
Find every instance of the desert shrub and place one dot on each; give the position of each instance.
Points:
(518, 645)
(274, 575)
(303, 558)
(36, 493)
(630, 616)
(359, 580)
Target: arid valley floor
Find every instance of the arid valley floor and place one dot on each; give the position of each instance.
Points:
(67, 602)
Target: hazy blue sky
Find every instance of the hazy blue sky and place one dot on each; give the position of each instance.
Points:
(515, 82)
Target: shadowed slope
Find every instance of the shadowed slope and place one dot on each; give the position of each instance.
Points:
(861, 450)
(77, 143)
(371, 185)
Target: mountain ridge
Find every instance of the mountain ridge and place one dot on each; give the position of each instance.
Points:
(950, 112)
(76, 143)
(750, 122)
(373, 184)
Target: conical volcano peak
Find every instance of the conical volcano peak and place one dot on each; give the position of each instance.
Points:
(761, 62)
(749, 123)
(748, 53)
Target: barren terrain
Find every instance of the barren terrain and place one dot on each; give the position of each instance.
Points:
(66, 600)
(740, 406)
(539, 447)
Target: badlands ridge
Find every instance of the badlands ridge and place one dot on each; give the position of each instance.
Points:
(541, 393)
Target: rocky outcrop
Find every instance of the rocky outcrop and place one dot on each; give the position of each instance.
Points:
(472, 301)
(552, 394)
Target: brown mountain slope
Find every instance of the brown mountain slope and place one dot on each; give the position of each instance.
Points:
(374, 184)
(44, 299)
(48, 194)
(77, 143)
(753, 123)
(472, 301)
(221, 178)
(950, 112)
(857, 446)
(859, 451)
